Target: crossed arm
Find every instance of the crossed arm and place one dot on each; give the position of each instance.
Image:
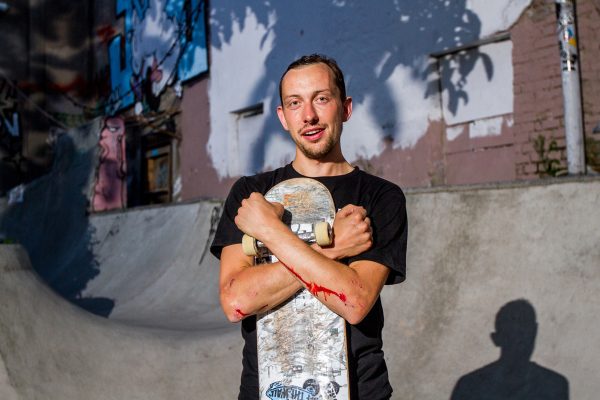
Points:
(350, 291)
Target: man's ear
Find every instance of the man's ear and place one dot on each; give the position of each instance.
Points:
(347, 107)
(282, 118)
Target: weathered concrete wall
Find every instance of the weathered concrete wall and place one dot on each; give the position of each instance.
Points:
(472, 251)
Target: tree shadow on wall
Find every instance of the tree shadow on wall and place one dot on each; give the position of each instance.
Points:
(399, 34)
(513, 376)
(52, 224)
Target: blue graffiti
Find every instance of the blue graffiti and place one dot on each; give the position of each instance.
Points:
(140, 6)
(164, 43)
(193, 59)
(119, 54)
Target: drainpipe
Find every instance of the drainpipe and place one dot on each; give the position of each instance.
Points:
(567, 37)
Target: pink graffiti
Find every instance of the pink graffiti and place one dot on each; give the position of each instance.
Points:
(110, 190)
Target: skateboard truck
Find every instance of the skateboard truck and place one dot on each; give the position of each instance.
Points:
(319, 232)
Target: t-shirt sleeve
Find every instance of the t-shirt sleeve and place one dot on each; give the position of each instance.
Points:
(387, 212)
(227, 232)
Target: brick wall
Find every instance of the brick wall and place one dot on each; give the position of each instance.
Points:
(538, 104)
(588, 20)
(538, 109)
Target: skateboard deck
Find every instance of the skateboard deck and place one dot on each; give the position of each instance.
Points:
(301, 343)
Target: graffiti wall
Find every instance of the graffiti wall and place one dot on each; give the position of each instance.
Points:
(163, 43)
(110, 188)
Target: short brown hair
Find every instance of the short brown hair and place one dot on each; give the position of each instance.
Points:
(311, 59)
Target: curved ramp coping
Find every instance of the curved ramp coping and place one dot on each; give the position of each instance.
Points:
(52, 349)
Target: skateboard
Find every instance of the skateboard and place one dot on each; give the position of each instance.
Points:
(302, 347)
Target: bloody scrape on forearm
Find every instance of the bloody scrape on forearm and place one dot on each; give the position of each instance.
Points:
(315, 289)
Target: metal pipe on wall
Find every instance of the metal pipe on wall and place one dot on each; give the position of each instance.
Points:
(567, 37)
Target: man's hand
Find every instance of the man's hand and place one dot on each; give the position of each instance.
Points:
(352, 233)
(257, 215)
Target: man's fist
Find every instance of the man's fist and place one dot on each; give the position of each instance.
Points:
(352, 233)
(257, 215)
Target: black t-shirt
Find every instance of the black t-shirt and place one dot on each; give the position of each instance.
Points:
(386, 207)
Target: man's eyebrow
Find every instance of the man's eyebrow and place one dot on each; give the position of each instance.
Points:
(319, 91)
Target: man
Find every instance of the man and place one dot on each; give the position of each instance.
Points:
(370, 231)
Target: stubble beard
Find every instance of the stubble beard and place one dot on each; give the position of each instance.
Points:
(317, 153)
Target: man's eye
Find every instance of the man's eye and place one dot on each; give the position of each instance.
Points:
(322, 99)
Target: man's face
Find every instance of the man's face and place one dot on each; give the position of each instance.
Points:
(312, 111)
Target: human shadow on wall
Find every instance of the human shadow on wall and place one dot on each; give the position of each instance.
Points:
(52, 224)
(400, 34)
(513, 376)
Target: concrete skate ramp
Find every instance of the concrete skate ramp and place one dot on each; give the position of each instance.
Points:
(148, 267)
(156, 265)
(145, 266)
(51, 349)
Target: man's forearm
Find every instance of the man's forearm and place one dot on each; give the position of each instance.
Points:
(249, 290)
(349, 291)
(336, 285)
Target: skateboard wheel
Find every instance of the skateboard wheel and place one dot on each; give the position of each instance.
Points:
(323, 233)
(249, 246)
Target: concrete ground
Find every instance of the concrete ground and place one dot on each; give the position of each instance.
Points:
(521, 261)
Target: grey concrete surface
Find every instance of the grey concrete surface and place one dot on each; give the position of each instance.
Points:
(156, 265)
(472, 251)
(51, 349)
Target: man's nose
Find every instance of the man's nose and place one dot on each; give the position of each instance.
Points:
(310, 115)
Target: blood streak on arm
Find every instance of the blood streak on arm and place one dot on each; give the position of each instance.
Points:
(314, 289)
(242, 314)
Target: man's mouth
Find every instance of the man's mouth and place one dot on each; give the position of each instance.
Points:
(313, 134)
